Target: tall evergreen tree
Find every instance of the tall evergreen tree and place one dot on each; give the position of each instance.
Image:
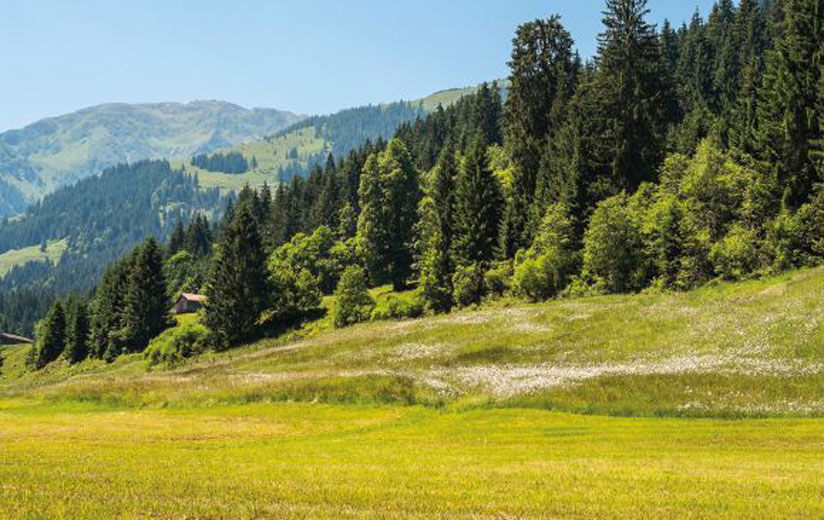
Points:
(751, 39)
(478, 208)
(177, 239)
(788, 122)
(51, 340)
(77, 334)
(542, 79)
(146, 302)
(633, 95)
(437, 215)
(390, 192)
(236, 290)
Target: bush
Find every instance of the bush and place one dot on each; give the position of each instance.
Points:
(411, 307)
(613, 247)
(543, 277)
(498, 280)
(736, 255)
(468, 283)
(354, 304)
(177, 344)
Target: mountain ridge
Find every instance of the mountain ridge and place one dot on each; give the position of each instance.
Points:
(59, 150)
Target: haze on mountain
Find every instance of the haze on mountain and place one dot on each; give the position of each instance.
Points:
(59, 151)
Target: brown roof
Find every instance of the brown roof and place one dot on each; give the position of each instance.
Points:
(193, 297)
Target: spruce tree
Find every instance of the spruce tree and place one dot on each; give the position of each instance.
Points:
(177, 239)
(372, 237)
(542, 79)
(401, 186)
(390, 193)
(51, 340)
(146, 302)
(437, 209)
(751, 40)
(77, 336)
(478, 208)
(236, 289)
(633, 95)
(788, 121)
(106, 340)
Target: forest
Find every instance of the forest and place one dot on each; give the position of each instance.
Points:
(673, 158)
(102, 218)
(231, 162)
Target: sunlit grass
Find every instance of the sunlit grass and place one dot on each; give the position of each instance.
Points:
(19, 257)
(331, 461)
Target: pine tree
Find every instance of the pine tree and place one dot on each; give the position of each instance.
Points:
(542, 79)
(237, 285)
(633, 95)
(478, 208)
(788, 122)
(51, 340)
(146, 302)
(177, 239)
(437, 214)
(390, 193)
(77, 336)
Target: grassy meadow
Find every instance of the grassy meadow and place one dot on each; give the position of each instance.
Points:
(708, 404)
(19, 257)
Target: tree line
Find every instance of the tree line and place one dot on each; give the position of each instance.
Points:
(672, 158)
(229, 162)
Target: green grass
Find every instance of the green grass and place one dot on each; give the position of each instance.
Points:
(707, 404)
(333, 461)
(20, 257)
(752, 349)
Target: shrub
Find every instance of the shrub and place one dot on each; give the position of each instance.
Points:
(542, 277)
(354, 304)
(543, 271)
(498, 280)
(736, 255)
(613, 248)
(468, 283)
(175, 345)
(411, 307)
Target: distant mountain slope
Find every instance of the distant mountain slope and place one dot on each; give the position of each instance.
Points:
(58, 151)
(294, 150)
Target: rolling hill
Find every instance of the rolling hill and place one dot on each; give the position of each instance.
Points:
(59, 151)
(294, 150)
(605, 407)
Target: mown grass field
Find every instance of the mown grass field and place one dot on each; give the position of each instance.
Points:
(335, 461)
(708, 404)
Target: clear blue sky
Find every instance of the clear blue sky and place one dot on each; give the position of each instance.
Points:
(308, 56)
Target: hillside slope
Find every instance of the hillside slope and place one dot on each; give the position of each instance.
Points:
(294, 150)
(58, 151)
(746, 349)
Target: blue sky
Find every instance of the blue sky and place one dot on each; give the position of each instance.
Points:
(307, 56)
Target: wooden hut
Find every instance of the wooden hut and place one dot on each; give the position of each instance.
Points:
(187, 303)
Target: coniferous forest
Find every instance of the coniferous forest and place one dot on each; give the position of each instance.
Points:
(677, 156)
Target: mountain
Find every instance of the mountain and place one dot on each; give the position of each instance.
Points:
(59, 151)
(63, 243)
(294, 150)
